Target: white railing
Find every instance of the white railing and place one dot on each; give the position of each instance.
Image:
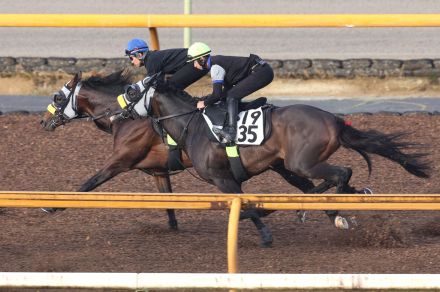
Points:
(144, 281)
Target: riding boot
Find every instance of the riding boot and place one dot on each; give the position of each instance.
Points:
(230, 131)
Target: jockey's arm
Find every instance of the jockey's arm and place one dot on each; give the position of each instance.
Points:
(217, 76)
(216, 94)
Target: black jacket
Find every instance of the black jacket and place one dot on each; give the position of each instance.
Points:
(233, 70)
(168, 61)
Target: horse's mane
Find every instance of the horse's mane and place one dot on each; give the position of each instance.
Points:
(113, 83)
(168, 88)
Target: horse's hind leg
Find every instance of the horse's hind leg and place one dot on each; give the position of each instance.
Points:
(232, 187)
(307, 187)
(163, 184)
(333, 176)
(302, 183)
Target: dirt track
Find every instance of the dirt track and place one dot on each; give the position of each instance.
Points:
(87, 240)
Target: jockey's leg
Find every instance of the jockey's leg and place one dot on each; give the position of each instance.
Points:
(229, 132)
(253, 82)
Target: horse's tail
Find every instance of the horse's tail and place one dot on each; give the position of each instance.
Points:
(389, 146)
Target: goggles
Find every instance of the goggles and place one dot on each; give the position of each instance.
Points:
(135, 50)
(201, 61)
(134, 55)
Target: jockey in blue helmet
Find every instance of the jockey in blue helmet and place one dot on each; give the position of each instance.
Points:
(136, 50)
(171, 62)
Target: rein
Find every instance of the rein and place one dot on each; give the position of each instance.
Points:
(175, 116)
(185, 129)
(107, 113)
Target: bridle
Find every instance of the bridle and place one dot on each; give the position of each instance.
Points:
(66, 110)
(158, 121)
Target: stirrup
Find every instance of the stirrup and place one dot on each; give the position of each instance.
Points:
(228, 134)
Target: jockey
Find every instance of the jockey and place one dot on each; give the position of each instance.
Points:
(170, 61)
(233, 78)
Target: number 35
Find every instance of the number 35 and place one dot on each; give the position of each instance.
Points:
(247, 133)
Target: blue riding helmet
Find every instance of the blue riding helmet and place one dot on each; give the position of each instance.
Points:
(136, 46)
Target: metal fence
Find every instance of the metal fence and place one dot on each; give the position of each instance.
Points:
(153, 21)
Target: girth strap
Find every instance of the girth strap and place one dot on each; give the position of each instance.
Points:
(237, 168)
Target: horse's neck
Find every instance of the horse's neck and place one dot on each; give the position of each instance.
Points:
(167, 105)
(103, 104)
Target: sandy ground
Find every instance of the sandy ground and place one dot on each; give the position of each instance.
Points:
(108, 240)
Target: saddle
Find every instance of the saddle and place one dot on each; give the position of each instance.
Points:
(253, 128)
(216, 116)
(217, 112)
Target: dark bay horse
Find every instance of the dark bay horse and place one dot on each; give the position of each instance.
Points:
(136, 144)
(151, 153)
(302, 139)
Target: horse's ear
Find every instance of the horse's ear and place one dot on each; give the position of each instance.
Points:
(77, 77)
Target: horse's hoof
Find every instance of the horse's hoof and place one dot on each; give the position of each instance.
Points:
(266, 244)
(341, 222)
(365, 191)
(49, 210)
(52, 210)
(266, 237)
(173, 225)
(301, 215)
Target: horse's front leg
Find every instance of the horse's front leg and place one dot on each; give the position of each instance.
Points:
(163, 184)
(230, 186)
(114, 166)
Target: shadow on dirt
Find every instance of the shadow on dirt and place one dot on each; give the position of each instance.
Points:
(429, 229)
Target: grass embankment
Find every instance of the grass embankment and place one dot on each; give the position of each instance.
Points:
(47, 83)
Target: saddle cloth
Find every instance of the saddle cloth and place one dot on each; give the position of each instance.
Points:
(252, 125)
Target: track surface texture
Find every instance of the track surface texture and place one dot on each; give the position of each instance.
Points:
(123, 240)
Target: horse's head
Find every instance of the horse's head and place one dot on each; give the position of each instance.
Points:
(93, 97)
(64, 106)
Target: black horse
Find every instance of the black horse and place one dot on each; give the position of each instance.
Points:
(302, 139)
(136, 144)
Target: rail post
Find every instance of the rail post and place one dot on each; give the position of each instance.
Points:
(187, 37)
(234, 216)
(154, 38)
